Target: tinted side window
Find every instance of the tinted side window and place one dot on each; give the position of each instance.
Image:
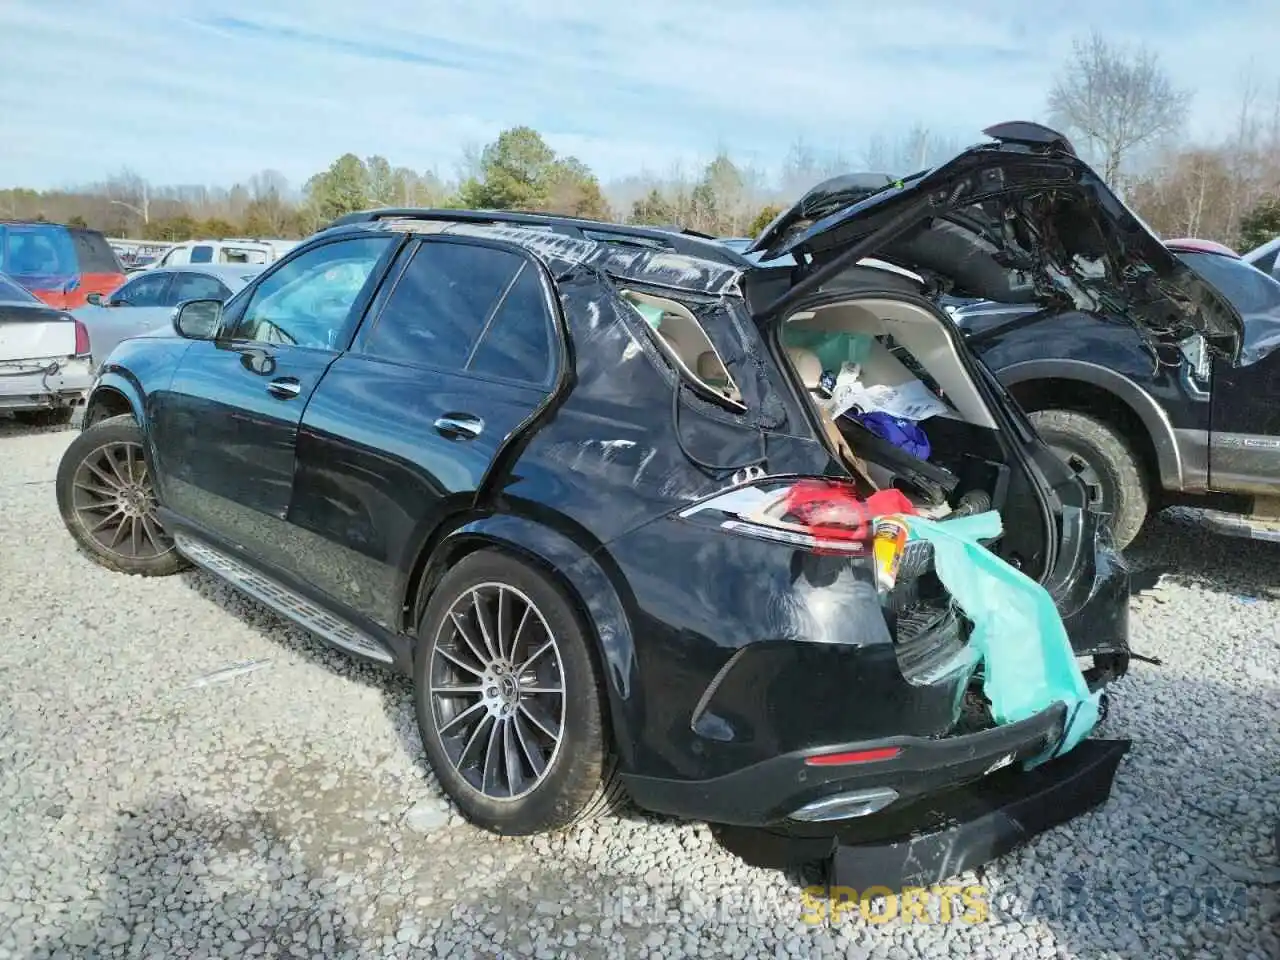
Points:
(196, 286)
(201, 254)
(517, 344)
(144, 291)
(441, 303)
(1268, 263)
(94, 253)
(307, 301)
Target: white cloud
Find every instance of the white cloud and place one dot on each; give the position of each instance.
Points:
(187, 91)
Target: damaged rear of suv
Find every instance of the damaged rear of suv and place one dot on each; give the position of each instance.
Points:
(587, 486)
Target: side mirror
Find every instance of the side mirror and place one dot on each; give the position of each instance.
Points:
(95, 299)
(197, 319)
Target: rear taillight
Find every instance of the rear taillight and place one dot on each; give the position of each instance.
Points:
(818, 514)
(82, 339)
(853, 756)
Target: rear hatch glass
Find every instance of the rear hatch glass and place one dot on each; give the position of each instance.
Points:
(94, 253)
(39, 256)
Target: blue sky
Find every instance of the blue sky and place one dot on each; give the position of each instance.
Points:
(212, 92)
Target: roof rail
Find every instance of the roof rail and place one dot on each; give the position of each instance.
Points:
(673, 238)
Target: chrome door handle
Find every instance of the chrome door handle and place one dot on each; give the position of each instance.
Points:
(459, 425)
(286, 388)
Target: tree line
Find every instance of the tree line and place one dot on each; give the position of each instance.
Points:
(1120, 105)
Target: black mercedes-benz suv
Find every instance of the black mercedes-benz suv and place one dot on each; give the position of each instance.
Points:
(573, 478)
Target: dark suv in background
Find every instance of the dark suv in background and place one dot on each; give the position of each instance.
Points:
(574, 479)
(1148, 425)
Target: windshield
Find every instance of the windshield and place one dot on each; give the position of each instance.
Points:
(37, 255)
(11, 292)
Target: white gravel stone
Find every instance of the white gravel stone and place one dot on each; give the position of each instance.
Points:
(287, 812)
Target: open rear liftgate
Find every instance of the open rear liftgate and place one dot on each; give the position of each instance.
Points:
(934, 839)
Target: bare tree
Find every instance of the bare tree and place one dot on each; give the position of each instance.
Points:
(917, 148)
(1116, 99)
(128, 190)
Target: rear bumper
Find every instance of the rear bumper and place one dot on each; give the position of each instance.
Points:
(935, 839)
(1091, 591)
(43, 385)
(770, 791)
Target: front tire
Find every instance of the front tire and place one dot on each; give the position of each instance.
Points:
(509, 699)
(1102, 458)
(108, 502)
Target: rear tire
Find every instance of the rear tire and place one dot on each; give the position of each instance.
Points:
(1099, 454)
(515, 757)
(108, 502)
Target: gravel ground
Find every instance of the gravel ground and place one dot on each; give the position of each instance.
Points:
(285, 810)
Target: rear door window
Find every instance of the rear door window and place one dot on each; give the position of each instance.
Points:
(147, 290)
(195, 286)
(444, 299)
(516, 345)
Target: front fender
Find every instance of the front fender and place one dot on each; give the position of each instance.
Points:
(595, 591)
(108, 390)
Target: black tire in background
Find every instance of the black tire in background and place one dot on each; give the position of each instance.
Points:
(1103, 459)
(107, 501)
(455, 652)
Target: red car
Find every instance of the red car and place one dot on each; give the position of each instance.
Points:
(61, 265)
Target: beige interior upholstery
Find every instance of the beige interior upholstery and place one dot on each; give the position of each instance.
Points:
(709, 366)
(807, 366)
(915, 328)
(688, 345)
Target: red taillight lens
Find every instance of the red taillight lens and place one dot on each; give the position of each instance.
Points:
(853, 756)
(825, 509)
(82, 339)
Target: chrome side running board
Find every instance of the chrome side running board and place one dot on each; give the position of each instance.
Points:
(281, 599)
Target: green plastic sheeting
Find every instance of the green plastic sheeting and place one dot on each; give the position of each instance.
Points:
(652, 314)
(832, 349)
(1028, 663)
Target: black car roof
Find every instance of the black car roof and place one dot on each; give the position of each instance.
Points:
(683, 260)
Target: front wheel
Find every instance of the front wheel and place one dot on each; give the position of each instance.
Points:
(509, 699)
(108, 502)
(1109, 469)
